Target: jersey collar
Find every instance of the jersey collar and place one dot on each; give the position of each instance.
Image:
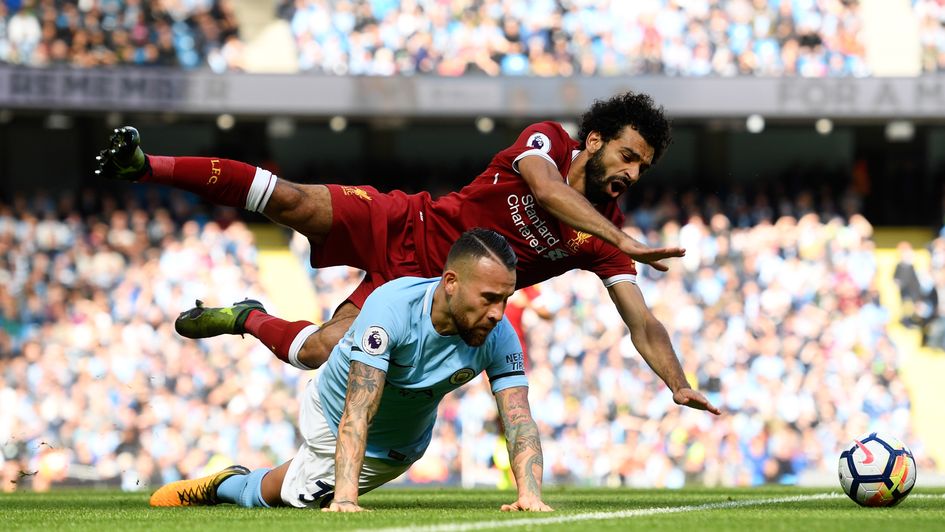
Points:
(574, 154)
(428, 298)
(428, 306)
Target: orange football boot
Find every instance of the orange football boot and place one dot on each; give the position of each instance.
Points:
(196, 492)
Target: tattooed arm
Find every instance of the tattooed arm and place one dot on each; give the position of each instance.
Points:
(521, 432)
(365, 387)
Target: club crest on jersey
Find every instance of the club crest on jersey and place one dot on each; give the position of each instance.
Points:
(374, 341)
(539, 141)
(355, 191)
(579, 239)
(462, 376)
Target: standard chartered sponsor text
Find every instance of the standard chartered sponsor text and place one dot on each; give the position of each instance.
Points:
(535, 230)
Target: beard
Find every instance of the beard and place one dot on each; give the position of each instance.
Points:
(472, 335)
(596, 186)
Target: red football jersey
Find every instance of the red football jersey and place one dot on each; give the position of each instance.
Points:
(499, 199)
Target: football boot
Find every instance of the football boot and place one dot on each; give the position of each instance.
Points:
(196, 492)
(123, 158)
(205, 322)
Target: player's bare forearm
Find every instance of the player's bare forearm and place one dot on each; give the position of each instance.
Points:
(571, 207)
(652, 341)
(656, 348)
(524, 443)
(365, 388)
(565, 203)
(648, 335)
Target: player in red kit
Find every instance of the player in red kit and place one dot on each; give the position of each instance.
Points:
(515, 311)
(552, 197)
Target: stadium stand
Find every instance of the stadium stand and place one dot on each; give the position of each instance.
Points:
(669, 37)
(485, 37)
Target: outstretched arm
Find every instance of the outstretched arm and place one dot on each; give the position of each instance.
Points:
(652, 341)
(521, 433)
(572, 208)
(365, 388)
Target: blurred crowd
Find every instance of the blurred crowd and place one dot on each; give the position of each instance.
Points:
(580, 37)
(103, 33)
(94, 382)
(774, 314)
(813, 38)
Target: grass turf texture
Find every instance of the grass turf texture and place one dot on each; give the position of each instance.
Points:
(454, 510)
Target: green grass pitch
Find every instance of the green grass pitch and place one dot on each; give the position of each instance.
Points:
(455, 510)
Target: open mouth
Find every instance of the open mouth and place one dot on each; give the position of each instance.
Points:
(618, 186)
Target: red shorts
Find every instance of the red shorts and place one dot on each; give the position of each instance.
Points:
(372, 231)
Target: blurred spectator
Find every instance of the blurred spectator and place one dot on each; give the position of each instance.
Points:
(910, 289)
(935, 329)
(931, 19)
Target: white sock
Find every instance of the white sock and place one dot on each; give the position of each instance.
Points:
(263, 185)
(297, 344)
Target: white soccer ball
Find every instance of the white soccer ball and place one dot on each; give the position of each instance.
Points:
(877, 470)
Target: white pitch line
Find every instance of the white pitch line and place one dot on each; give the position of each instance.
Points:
(597, 516)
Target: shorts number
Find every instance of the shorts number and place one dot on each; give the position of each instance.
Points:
(324, 495)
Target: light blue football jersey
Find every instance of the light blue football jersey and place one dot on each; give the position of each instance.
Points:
(394, 333)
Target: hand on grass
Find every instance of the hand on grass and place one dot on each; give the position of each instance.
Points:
(343, 506)
(527, 505)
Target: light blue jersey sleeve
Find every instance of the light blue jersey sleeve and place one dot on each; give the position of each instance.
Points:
(378, 329)
(507, 368)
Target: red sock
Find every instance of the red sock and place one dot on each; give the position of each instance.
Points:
(221, 181)
(277, 334)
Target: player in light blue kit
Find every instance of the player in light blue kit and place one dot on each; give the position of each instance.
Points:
(370, 412)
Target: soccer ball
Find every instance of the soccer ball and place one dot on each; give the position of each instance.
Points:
(877, 470)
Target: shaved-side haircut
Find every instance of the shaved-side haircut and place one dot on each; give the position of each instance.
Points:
(477, 243)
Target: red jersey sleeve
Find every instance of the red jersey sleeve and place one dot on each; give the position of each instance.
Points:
(609, 263)
(545, 139)
(612, 266)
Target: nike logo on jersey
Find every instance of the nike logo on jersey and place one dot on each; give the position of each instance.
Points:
(496, 178)
(556, 254)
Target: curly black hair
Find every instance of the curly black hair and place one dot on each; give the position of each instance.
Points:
(638, 110)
